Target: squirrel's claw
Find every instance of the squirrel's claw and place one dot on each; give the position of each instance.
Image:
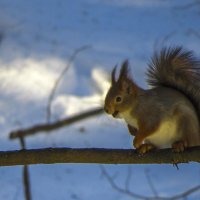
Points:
(179, 146)
(144, 148)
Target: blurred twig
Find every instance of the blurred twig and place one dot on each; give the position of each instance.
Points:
(127, 192)
(26, 180)
(1, 37)
(128, 178)
(159, 43)
(53, 126)
(118, 188)
(52, 94)
(192, 4)
(193, 32)
(151, 185)
(186, 193)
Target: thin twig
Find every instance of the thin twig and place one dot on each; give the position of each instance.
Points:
(150, 183)
(27, 189)
(22, 143)
(1, 37)
(186, 193)
(127, 192)
(54, 126)
(26, 179)
(193, 32)
(188, 6)
(159, 43)
(52, 94)
(118, 188)
(128, 178)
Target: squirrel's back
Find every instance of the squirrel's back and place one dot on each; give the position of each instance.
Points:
(178, 69)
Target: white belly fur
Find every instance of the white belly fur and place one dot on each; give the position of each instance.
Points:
(165, 136)
(129, 119)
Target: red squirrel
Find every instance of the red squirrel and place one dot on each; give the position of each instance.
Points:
(168, 114)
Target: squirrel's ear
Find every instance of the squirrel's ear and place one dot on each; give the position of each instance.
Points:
(128, 89)
(124, 71)
(127, 86)
(113, 75)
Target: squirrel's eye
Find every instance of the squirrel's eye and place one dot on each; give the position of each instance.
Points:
(118, 99)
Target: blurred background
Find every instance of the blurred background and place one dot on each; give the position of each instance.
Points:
(68, 48)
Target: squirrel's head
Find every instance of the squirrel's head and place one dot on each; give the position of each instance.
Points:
(121, 94)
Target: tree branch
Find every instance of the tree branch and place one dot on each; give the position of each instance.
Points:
(52, 94)
(150, 183)
(129, 193)
(120, 189)
(26, 177)
(95, 155)
(53, 126)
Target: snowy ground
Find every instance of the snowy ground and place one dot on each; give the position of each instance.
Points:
(38, 38)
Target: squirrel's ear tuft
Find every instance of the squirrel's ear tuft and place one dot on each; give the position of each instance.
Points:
(128, 90)
(124, 71)
(113, 75)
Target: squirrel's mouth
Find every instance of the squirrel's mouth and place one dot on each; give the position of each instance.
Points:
(115, 113)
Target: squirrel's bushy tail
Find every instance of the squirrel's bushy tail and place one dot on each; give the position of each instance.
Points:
(179, 69)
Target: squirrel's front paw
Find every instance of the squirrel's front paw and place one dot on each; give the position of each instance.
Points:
(179, 146)
(137, 141)
(144, 148)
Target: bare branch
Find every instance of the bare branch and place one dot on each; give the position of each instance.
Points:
(120, 189)
(56, 125)
(159, 43)
(95, 155)
(128, 178)
(142, 197)
(52, 94)
(186, 193)
(189, 5)
(151, 185)
(1, 36)
(193, 32)
(26, 180)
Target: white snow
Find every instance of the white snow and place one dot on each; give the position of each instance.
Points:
(38, 39)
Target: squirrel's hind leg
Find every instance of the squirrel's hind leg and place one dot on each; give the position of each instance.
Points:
(187, 129)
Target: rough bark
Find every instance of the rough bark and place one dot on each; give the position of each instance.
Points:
(95, 155)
